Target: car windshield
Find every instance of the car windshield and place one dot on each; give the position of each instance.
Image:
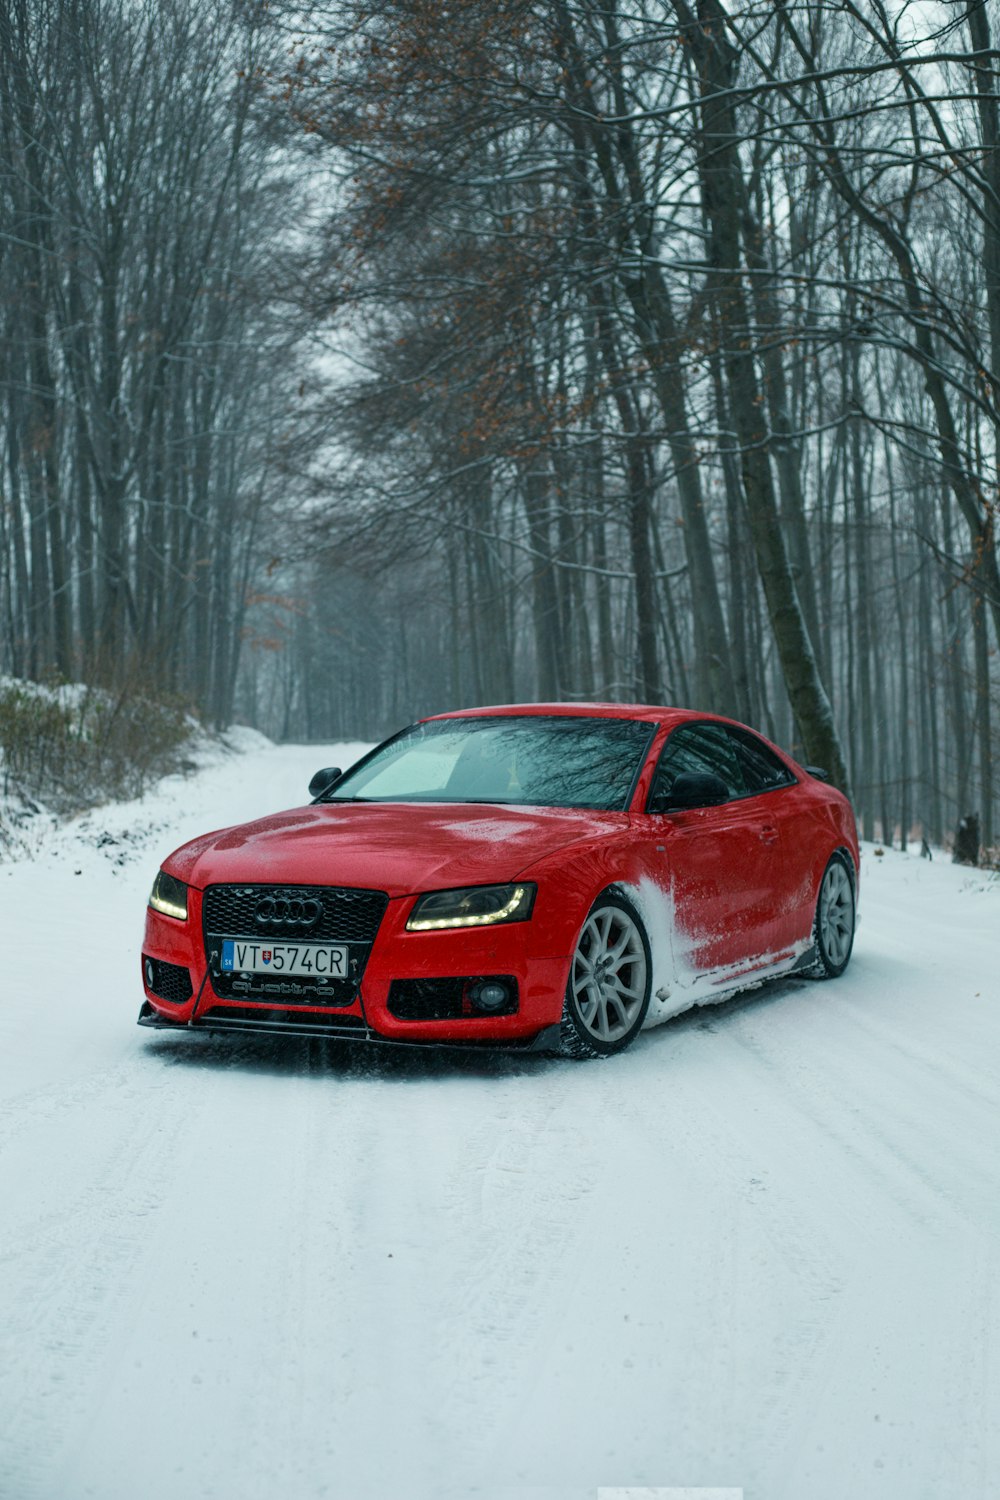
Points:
(568, 761)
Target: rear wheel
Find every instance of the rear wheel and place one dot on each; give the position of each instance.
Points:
(609, 981)
(833, 928)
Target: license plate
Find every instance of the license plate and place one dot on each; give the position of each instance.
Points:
(284, 958)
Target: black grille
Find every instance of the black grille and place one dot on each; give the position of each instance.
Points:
(169, 982)
(346, 916)
(442, 999)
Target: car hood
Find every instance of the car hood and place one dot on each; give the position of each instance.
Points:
(397, 847)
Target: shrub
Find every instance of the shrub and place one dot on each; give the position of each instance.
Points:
(67, 747)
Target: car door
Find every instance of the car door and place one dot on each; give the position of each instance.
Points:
(776, 799)
(719, 866)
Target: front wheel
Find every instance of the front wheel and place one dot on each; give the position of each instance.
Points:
(833, 929)
(609, 981)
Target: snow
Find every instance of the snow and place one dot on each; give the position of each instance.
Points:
(68, 695)
(760, 1251)
(677, 984)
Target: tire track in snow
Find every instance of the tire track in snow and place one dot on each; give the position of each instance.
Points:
(78, 1263)
(883, 1189)
(527, 1202)
(876, 1106)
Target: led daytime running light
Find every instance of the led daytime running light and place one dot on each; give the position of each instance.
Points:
(483, 919)
(169, 896)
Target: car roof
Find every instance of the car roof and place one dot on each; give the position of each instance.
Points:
(651, 713)
(654, 713)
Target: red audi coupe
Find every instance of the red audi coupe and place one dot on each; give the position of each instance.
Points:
(543, 876)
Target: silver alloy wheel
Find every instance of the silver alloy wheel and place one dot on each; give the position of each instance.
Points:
(608, 978)
(836, 914)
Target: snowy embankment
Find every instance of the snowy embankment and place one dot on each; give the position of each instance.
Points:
(66, 746)
(761, 1249)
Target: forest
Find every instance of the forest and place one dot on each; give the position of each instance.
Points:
(363, 360)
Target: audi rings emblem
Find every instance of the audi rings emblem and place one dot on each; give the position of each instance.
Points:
(288, 911)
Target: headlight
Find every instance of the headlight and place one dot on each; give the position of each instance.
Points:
(473, 906)
(169, 896)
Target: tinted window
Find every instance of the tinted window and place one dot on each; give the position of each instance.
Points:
(762, 770)
(550, 762)
(702, 748)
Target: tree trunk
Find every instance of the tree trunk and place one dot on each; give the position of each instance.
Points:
(721, 176)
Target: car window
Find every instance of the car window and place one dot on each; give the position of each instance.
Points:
(762, 770)
(564, 761)
(701, 748)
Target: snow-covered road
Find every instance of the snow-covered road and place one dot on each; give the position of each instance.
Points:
(759, 1250)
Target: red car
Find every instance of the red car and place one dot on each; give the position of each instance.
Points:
(548, 875)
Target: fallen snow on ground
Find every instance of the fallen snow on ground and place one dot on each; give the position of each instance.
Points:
(760, 1250)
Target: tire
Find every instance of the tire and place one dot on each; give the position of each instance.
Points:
(610, 978)
(835, 920)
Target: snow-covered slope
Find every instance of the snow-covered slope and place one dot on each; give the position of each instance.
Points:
(759, 1250)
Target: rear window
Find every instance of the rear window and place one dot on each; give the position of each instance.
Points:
(761, 768)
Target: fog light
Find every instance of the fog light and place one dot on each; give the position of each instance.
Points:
(490, 995)
(150, 973)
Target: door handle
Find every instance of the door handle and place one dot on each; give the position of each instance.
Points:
(768, 834)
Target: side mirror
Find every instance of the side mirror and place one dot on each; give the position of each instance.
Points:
(693, 789)
(323, 780)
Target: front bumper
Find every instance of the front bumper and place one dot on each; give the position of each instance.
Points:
(517, 949)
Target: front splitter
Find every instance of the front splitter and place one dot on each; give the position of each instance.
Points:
(547, 1039)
